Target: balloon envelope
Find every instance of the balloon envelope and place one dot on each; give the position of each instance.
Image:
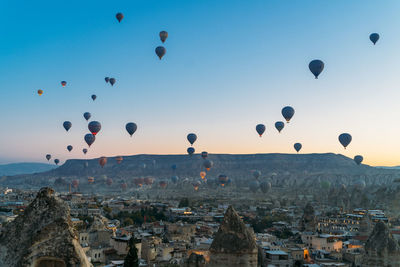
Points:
(253, 186)
(69, 148)
(112, 81)
(56, 161)
(208, 164)
(316, 67)
(287, 113)
(204, 154)
(374, 37)
(163, 36)
(265, 187)
(89, 139)
(279, 125)
(119, 16)
(160, 51)
(103, 161)
(63, 83)
(40, 92)
(191, 138)
(94, 97)
(297, 147)
(107, 79)
(94, 127)
(131, 128)
(87, 115)
(345, 139)
(190, 150)
(260, 128)
(358, 159)
(256, 174)
(67, 125)
(84, 151)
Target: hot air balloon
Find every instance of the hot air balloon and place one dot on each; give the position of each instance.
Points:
(94, 97)
(316, 67)
(148, 181)
(63, 83)
(173, 167)
(345, 139)
(103, 161)
(163, 36)
(56, 161)
(87, 115)
(107, 79)
(253, 186)
(287, 113)
(40, 92)
(119, 16)
(191, 138)
(358, 159)
(196, 185)
(69, 148)
(163, 184)
(75, 183)
(112, 81)
(297, 147)
(256, 174)
(190, 150)
(222, 179)
(131, 128)
(119, 159)
(265, 187)
(360, 185)
(48, 157)
(279, 125)
(67, 125)
(109, 181)
(84, 151)
(208, 164)
(203, 175)
(90, 180)
(94, 127)
(160, 51)
(89, 139)
(174, 179)
(260, 128)
(138, 182)
(204, 154)
(374, 37)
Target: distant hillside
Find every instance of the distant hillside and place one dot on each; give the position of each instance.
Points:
(334, 167)
(24, 168)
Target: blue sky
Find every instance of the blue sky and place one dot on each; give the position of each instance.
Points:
(229, 66)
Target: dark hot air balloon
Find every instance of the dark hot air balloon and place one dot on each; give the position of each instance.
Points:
(265, 187)
(374, 37)
(89, 139)
(297, 147)
(56, 161)
(163, 36)
(48, 157)
(63, 83)
(287, 113)
(204, 154)
(190, 150)
(107, 79)
(345, 139)
(208, 164)
(84, 151)
(94, 127)
(358, 159)
(112, 81)
(260, 128)
(253, 186)
(69, 148)
(67, 125)
(191, 138)
(256, 174)
(87, 115)
(160, 51)
(131, 128)
(119, 16)
(279, 125)
(316, 67)
(109, 181)
(94, 97)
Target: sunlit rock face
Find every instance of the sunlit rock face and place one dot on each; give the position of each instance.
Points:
(234, 244)
(381, 249)
(42, 236)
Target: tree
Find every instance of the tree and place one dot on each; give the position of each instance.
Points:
(131, 259)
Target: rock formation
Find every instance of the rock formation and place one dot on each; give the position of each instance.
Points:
(42, 236)
(234, 244)
(381, 249)
(308, 221)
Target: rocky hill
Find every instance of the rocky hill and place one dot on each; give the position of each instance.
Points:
(24, 168)
(42, 236)
(287, 167)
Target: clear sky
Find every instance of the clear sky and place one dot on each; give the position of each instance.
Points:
(230, 64)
